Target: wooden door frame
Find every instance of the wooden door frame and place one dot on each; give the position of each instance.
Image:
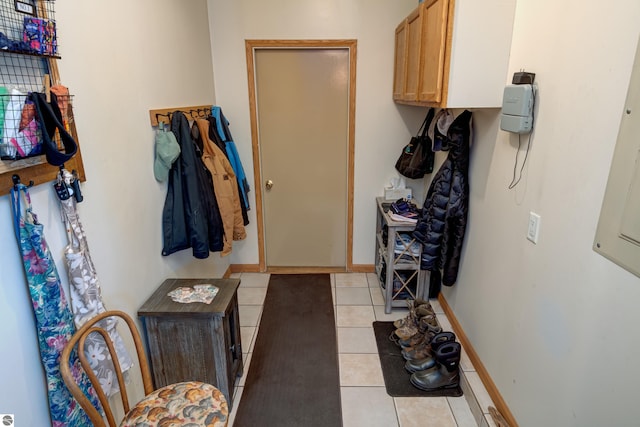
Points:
(250, 47)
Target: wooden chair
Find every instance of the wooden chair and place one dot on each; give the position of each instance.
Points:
(192, 403)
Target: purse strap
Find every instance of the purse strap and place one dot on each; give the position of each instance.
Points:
(422, 132)
(50, 119)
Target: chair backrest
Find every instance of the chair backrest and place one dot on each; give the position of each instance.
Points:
(78, 341)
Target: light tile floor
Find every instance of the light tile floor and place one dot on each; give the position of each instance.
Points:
(365, 402)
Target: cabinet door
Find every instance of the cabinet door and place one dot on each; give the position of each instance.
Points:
(412, 72)
(400, 61)
(434, 37)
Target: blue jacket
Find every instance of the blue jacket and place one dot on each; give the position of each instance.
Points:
(232, 153)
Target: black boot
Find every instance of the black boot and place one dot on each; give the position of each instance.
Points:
(445, 373)
(429, 360)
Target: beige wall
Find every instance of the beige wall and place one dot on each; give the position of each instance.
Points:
(555, 323)
(119, 61)
(382, 128)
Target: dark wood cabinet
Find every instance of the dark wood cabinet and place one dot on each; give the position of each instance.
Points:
(194, 341)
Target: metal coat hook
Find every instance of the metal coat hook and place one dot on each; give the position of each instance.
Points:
(160, 121)
(16, 181)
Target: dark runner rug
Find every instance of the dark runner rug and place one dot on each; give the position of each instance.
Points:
(396, 379)
(293, 377)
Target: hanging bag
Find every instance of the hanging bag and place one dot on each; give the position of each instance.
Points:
(53, 319)
(417, 157)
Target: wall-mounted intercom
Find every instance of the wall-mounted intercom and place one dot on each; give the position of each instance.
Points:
(517, 104)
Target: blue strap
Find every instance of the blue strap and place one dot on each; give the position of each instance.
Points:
(15, 205)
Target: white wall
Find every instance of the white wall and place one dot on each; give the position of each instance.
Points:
(382, 127)
(120, 61)
(555, 323)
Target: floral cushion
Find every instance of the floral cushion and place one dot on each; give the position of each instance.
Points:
(189, 403)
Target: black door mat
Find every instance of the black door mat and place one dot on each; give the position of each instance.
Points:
(396, 378)
(293, 377)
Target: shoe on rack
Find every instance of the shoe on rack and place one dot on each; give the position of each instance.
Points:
(444, 374)
(427, 348)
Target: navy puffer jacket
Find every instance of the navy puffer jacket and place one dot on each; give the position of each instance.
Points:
(443, 220)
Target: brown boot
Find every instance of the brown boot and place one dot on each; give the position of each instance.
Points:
(406, 332)
(409, 319)
(427, 327)
(427, 347)
(414, 315)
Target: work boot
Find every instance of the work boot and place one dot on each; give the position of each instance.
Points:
(415, 365)
(427, 348)
(444, 374)
(415, 314)
(408, 319)
(428, 326)
(406, 332)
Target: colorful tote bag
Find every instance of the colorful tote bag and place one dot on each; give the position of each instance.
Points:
(54, 321)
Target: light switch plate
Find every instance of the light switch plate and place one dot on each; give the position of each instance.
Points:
(533, 230)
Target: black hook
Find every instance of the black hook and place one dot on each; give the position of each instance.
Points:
(158, 115)
(75, 184)
(16, 181)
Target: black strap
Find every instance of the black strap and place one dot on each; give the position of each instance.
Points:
(50, 119)
(427, 122)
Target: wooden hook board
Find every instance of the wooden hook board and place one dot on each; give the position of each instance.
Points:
(192, 113)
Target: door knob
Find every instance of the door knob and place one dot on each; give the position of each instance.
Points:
(268, 184)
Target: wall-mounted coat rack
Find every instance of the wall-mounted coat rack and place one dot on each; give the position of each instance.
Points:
(192, 113)
(16, 181)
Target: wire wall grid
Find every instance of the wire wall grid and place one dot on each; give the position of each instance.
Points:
(28, 27)
(29, 51)
(25, 73)
(27, 41)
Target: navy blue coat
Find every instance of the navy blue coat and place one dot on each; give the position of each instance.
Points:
(190, 218)
(443, 220)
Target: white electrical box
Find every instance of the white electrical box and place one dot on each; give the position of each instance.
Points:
(517, 108)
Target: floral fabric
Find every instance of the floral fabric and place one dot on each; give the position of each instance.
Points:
(54, 321)
(183, 404)
(86, 300)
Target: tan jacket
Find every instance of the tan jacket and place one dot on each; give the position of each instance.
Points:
(225, 186)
